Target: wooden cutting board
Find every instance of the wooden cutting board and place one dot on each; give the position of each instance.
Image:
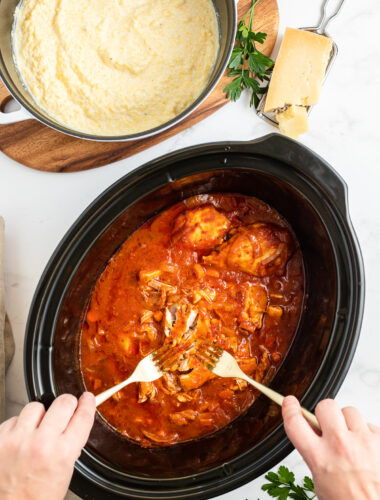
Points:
(40, 147)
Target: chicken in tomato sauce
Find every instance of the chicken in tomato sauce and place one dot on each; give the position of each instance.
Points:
(222, 267)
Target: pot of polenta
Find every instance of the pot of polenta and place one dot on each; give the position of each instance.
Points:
(113, 70)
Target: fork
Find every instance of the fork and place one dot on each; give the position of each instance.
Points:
(223, 364)
(154, 366)
(149, 369)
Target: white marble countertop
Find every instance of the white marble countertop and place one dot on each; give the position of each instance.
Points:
(39, 208)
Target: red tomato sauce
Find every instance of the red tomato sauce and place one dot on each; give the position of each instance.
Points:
(231, 260)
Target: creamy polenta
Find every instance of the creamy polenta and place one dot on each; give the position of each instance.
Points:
(115, 67)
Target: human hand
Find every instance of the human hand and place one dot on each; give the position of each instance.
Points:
(345, 459)
(38, 448)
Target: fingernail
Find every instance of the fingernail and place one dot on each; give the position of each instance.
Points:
(87, 396)
(290, 400)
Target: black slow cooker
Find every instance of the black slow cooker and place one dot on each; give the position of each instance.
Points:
(313, 198)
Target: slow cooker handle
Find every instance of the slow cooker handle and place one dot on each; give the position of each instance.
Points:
(306, 162)
(14, 116)
(46, 399)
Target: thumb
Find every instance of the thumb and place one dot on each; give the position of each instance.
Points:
(298, 430)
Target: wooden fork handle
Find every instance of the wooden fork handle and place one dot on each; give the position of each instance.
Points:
(278, 398)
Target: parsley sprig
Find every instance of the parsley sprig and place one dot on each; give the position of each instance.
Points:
(247, 64)
(281, 486)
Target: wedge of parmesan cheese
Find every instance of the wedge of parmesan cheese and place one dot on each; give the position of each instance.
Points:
(293, 121)
(299, 70)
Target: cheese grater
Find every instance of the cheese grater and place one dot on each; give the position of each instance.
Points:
(325, 19)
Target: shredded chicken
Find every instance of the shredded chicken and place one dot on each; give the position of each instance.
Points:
(163, 289)
(184, 397)
(169, 383)
(146, 316)
(146, 276)
(154, 291)
(208, 294)
(241, 384)
(258, 249)
(184, 326)
(160, 285)
(169, 320)
(184, 363)
(147, 391)
(150, 330)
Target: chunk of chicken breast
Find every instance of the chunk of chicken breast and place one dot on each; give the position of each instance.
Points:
(196, 378)
(201, 228)
(258, 249)
(147, 390)
(183, 417)
(255, 305)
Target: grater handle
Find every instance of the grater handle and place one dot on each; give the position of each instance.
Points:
(325, 19)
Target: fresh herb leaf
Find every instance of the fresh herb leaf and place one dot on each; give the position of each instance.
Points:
(308, 484)
(258, 37)
(281, 485)
(235, 62)
(247, 63)
(234, 89)
(272, 476)
(244, 31)
(235, 72)
(284, 475)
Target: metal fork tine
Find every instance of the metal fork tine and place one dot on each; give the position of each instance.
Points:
(210, 348)
(206, 362)
(169, 362)
(166, 356)
(208, 353)
(215, 347)
(162, 353)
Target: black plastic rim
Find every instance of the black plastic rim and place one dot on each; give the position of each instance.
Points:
(298, 161)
